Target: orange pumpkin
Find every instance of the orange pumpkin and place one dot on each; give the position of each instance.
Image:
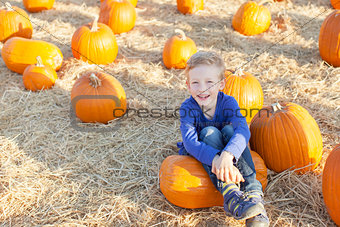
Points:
(14, 22)
(18, 53)
(247, 91)
(94, 43)
(119, 15)
(39, 76)
(98, 97)
(185, 183)
(331, 184)
(189, 6)
(286, 137)
(251, 19)
(335, 4)
(261, 169)
(177, 51)
(133, 2)
(35, 6)
(329, 39)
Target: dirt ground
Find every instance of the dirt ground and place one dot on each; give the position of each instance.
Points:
(57, 171)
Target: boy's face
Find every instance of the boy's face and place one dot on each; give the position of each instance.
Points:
(204, 83)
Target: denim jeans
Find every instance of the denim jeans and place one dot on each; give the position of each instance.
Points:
(219, 139)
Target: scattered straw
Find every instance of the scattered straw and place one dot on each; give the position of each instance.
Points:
(54, 174)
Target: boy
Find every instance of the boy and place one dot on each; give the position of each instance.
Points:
(216, 134)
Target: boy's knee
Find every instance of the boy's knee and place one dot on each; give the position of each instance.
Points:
(207, 131)
(228, 131)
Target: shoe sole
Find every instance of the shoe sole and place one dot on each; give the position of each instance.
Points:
(257, 224)
(252, 211)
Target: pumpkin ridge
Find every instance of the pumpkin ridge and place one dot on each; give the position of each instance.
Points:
(295, 136)
(331, 44)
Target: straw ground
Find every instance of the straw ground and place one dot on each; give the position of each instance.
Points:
(54, 174)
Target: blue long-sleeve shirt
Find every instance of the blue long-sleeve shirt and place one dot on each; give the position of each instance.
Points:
(193, 121)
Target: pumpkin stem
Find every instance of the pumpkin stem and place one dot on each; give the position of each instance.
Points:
(238, 72)
(39, 62)
(95, 81)
(276, 107)
(94, 27)
(9, 6)
(181, 32)
(265, 1)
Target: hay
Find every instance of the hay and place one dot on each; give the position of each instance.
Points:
(54, 174)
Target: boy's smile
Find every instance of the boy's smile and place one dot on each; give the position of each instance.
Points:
(204, 83)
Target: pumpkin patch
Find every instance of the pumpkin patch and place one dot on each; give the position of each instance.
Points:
(86, 149)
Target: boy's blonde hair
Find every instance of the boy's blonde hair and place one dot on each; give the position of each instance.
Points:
(205, 58)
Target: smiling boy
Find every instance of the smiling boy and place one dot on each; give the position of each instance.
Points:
(216, 134)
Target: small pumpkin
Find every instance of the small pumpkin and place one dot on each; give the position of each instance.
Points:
(35, 6)
(329, 39)
(18, 53)
(185, 183)
(189, 6)
(331, 184)
(177, 50)
(335, 4)
(14, 22)
(286, 137)
(39, 76)
(94, 43)
(119, 15)
(247, 91)
(252, 18)
(133, 2)
(98, 97)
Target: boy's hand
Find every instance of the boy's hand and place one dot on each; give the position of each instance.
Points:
(223, 168)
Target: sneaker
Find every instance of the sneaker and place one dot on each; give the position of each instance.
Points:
(241, 209)
(260, 220)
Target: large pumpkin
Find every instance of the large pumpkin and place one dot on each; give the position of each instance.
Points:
(251, 19)
(335, 4)
(119, 15)
(18, 53)
(331, 184)
(286, 137)
(39, 76)
(329, 39)
(247, 91)
(98, 97)
(189, 6)
(35, 6)
(14, 22)
(177, 50)
(94, 43)
(185, 183)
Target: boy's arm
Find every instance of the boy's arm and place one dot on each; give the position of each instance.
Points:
(240, 139)
(201, 151)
